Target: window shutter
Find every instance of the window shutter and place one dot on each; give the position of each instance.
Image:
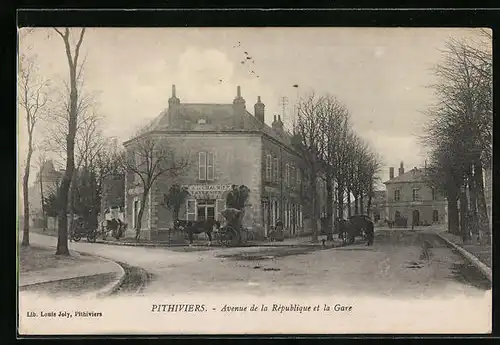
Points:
(202, 166)
(216, 172)
(275, 168)
(210, 166)
(268, 168)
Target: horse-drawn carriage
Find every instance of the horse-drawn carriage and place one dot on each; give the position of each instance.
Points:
(232, 233)
(113, 223)
(355, 226)
(80, 228)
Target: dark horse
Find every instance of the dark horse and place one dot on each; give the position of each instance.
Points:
(197, 227)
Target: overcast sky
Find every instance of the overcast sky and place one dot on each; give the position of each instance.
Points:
(379, 74)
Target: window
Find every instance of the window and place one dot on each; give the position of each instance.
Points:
(206, 166)
(298, 177)
(292, 175)
(433, 191)
(397, 195)
(191, 209)
(287, 174)
(269, 167)
(276, 170)
(415, 194)
(435, 216)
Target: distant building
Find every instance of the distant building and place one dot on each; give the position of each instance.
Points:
(47, 181)
(410, 197)
(379, 208)
(226, 145)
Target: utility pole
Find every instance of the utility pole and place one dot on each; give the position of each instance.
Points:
(283, 102)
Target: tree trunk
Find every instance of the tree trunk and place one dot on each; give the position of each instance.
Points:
(356, 200)
(329, 208)
(314, 206)
(484, 225)
(44, 218)
(464, 228)
(453, 218)
(62, 236)
(138, 225)
(370, 196)
(340, 201)
(474, 226)
(361, 204)
(26, 225)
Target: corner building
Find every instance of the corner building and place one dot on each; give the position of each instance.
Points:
(225, 145)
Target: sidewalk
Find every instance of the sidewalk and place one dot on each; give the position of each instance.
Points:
(481, 252)
(41, 270)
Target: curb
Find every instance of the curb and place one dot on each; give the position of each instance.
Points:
(485, 270)
(111, 287)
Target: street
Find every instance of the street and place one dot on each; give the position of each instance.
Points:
(400, 264)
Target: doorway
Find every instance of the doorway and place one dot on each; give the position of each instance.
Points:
(416, 217)
(205, 209)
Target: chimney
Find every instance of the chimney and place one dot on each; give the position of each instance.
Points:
(259, 110)
(239, 109)
(277, 125)
(173, 100)
(401, 169)
(391, 173)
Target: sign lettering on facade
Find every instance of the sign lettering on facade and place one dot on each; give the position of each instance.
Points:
(201, 191)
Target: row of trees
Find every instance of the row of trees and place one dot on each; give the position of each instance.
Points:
(459, 132)
(334, 152)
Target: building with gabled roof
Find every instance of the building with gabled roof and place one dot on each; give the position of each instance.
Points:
(410, 197)
(227, 145)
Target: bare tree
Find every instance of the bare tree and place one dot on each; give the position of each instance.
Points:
(334, 117)
(149, 158)
(32, 99)
(307, 140)
(75, 69)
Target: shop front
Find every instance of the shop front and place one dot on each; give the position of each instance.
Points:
(206, 201)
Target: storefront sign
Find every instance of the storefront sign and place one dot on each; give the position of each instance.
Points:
(202, 191)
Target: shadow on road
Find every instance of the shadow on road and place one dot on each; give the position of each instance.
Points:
(269, 253)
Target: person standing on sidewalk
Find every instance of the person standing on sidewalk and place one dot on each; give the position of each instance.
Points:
(370, 233)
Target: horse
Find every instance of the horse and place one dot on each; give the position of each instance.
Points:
(206, 226)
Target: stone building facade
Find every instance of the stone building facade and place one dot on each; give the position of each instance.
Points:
(225, 145)
(409, 196)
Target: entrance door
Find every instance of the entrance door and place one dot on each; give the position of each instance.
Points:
(416, 217)
(206, 210)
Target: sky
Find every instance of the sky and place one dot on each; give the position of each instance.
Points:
(380, 74)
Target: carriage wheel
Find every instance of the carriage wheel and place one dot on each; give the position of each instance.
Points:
(351, 240)
(229, 236)
(92, 237)
(76, 237)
